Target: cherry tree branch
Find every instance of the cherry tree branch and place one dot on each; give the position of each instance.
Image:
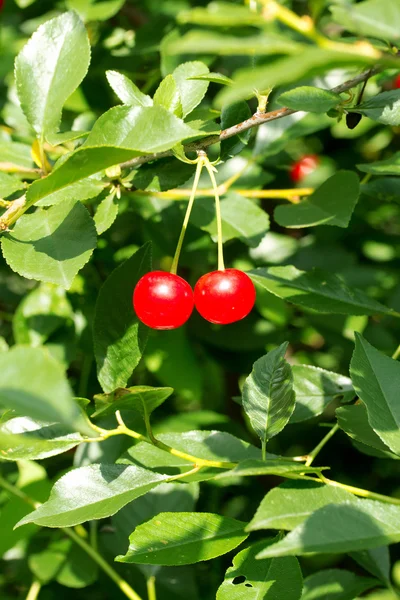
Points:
(254, 121)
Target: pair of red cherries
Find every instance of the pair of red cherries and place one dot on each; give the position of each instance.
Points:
(165, 301)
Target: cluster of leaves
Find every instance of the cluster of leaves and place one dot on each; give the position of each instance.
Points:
(93, 197)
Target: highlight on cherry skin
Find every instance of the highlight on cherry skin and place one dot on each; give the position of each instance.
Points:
(224, 297)
(303, 167)
(163, 300)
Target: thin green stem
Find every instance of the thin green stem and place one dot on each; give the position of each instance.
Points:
(193, 471)
(151, 588)
(198, 462)
(209, 167)
(366, 178)
(313, 454)
(34, 590)
(118, 580)
(178, 250)
(43, 158)
(396, 353)
(85, 374)
(264, 449)
(360, 492)
(17, 492)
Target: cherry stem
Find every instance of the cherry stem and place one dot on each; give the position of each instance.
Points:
(199, 167)
(210, 169)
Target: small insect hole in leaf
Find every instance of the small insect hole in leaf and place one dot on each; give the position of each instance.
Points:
(239, 579)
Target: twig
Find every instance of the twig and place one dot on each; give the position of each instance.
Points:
(254, 121)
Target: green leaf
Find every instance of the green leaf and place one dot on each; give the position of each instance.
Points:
(65, 562)
(336, 584)
(90, 10)
(383, 108)
(106, 213)
(307, 61)
(14, 154)
(142, 129)
(171, 348)
(51, 244)
(118, 337)
(77, 167)
(317, 290)
(40, 314)
(81, 190)
(222, 44)
(376, 378)
(34, 384)
(119, 135)
(32, 480)
(167, 173)
(221, 14)
(274, 136)
(335, 528)
(315, 388)
(214, 78)
(389, 166)
(26, 438)
(56, 139)
(142, 399)
(9, 184)
(385, 189)
(183, 539)
(191, 92)
(126, 90)
(231, 115)
(268, 579)
(208, 445)
(268, 396)
(288, 505)
(375, 561)
(310, 99)
(353, 420)
(272, 466)
(49, 68)
(241, 218)
(167, 95)
(372, 18)
(331, 204)
(167, 497)
(92, 492)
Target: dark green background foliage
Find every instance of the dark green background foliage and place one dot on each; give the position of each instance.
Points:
(197, 465)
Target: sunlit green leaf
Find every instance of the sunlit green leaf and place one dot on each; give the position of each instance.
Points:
(183, 539)
(317, 290)
(331, 204)
(268, 579)
(118, 337)
(49, 68)
(375, 378)
(92, 492)
(51, 244)
(268, 396)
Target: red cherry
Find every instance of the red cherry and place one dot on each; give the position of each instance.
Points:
(303, 167)
(224, 297)
(163, 300)
(396, 82)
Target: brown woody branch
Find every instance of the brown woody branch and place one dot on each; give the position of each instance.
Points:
(254, 121)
